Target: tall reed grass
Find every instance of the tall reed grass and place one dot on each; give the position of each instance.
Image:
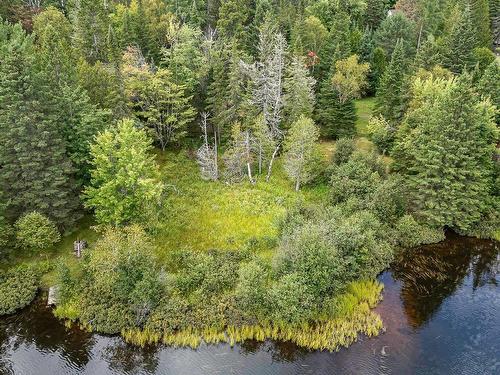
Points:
(351, 315)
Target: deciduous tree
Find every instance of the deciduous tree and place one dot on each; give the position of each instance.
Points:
(300, 150)
(124, 177)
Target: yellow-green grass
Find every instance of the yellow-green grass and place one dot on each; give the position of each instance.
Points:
(364, 109)
(204, 215)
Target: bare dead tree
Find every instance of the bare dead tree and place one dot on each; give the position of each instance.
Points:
(207, 154)
(248, 152)
(267, 81)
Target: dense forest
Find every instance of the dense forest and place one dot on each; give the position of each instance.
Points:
(240, 169)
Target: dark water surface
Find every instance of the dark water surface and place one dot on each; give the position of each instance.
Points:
(441, 311)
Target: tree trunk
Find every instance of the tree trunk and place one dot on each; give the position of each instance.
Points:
(269, 169)
(216, 157)
(249, 167)
(260, 158)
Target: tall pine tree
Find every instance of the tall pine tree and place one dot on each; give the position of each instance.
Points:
(336, 119)
(445, 149)
(36, 172)
(481, 20)
(390, 100)
(460, 43)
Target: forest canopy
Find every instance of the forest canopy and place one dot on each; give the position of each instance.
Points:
(241, 169)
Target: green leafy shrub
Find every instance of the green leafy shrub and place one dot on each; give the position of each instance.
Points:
(356, 178)
(489, 225)
(410, 233)
(18, 287)
(311, 255)
(292, 301)
(344, 148)
(251, 290)
(388, 200)
(36, 232)
(6, 237)
(381, 133)
(121, 285)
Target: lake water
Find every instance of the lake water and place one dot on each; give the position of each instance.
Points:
(441, 311)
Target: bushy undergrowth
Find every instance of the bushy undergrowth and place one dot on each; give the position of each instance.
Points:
(217, 295)
(18, 286)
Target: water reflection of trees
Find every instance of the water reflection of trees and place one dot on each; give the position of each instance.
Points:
(429, 274)
(36, 325)
(281, 351)
(128, 359)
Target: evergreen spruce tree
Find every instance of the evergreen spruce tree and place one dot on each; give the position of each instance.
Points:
(234, 21)
(36, 172)
(494, 7)
(429, 54)
(432, 17)
(90, 20)
(375, 13)
(79, 122)
(227, 92)
(481, 21)
(445, 149)
(336, 47)
(394, 28)
(489, 86)
(390, 99)
(460, 43)
(335, 119)
(299, 92)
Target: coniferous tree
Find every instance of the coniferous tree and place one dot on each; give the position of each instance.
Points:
(390, 99)
(234, 21)
(36, 173)
(489, 86)
(299, 92)
(444, 149)
(78, 119)
(79, 122)
(337, 46)
(460, 43)
(375, 13)
(91, 26)
(432, 17)
(336, 119)
(494, 7)
(481, 21)
(192, 12)
(378, 66)
(227, 97)
(394, 28)
(429, 54)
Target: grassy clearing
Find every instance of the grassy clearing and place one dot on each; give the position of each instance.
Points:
(203, 215)
(364, 109)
